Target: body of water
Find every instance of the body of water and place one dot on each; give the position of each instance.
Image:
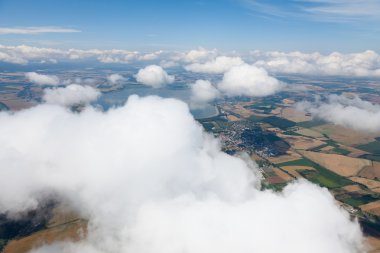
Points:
(178, 91)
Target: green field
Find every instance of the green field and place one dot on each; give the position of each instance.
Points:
(279, 122)
(255, 118)
(357, 201)
(329, 142)
(292, 133)
(372, 147)
(215, 118)
(311, 123)
(208, 126)
(275, 187)
(340, 151)
(371, 157)
(321, 176)
(3, 107)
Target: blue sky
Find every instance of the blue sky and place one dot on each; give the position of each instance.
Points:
(146, 25)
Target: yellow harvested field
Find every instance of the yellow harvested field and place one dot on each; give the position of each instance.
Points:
(276, 111)
(372, 207)
(284, 158)
(309, 132)
(376, 190)
(342, 165)
(255, 157)
(345, 135)
(353, 151)
(15, 103)
(371, 172)
(288, 101)
(285, 176)
(373, 244)
(62, 214)
(354, 188)
(367, 182)
(240, 110)
(73, 231)
(327, 148)
(294, 170)
(301, 142)
(232, 118)
(65, 225)
(292, 114)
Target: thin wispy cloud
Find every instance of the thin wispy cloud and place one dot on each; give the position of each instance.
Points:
(319, 10)
(36, 30)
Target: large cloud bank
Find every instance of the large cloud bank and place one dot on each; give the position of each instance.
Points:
(210, 61)
(154, 76)
(73, 94)
(353, 112)
(42, 79)
(335, 64)
(24, 54)
(150, 180)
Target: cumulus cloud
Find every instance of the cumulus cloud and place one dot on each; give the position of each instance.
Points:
(36, 30)
(42, 79)
(202, 92)
(150, 56)
(154, 76)
(149, 179)
(115, 78)
(70, 95)
(196, 55)
(218, 65)
(335, 64)
(353, 112)
(248, 80)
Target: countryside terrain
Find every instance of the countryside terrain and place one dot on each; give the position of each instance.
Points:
(287, 144)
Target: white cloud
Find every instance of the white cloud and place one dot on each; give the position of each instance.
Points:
(154, 76)
(36, 30)
(348, 10)
(198, 55)
(23, 54)
(334, 64)
(104, 56)
(364, 64)
(150, 180)
(248, 80)
(353, 112)
(115, 78)
(150, 56)
(168, 64)
(11, 58)
(202, 92)
(340, 11)
(42, 79)
(218, 65)
(70, 95)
